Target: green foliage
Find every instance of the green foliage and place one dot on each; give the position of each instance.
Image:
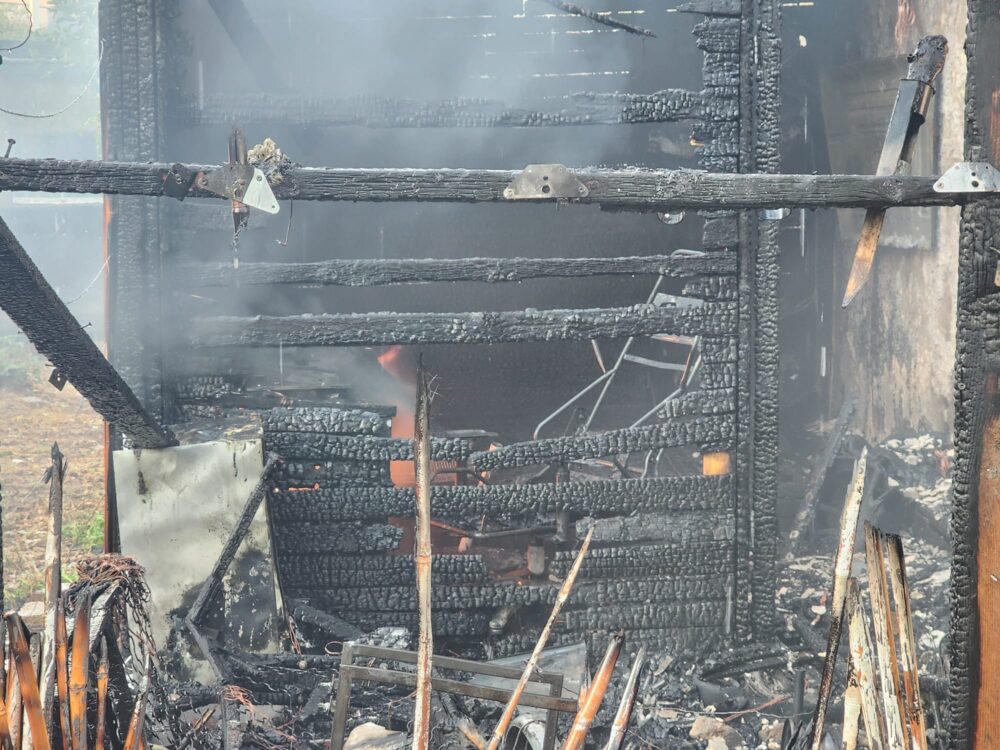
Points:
(84, 536)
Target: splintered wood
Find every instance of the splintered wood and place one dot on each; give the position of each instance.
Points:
(422, 555)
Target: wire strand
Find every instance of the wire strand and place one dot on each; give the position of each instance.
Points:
(45, 115)
(31, 25)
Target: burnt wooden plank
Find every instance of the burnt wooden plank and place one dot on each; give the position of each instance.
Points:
(384, 271)
(384, 328)
(626, 189)
(34, 306)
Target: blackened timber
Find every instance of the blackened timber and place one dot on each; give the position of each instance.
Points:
(716, 432)
(712, 7)
(338, 571)
(385, 271)
(345, 539)
(508, 501)
(586, 108)
(322, 446)
(34, 306)
(324, 420)
(626, 189)
(385, 328)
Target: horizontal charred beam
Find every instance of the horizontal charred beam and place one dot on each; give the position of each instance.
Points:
(663, 639)
(644, 560)
(345, 538)
(305, 571)
(385, 271)
(509, 501)
(635, 189)
(670, 105)
(645, 616)
(293, 476)
(385, 328)
(689, 527)
(715, 432)
(324, 419)
(38, 311)
(307, 445)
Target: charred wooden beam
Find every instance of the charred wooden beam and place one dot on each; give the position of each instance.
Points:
(35, 307)
(626, 189)
(311, 571)
(385, 328)
(321, 446)
(621, 562)
(586, 108)
(345, 539)
(384, 271)
(508, 501)
(716, 432)
(324, 420)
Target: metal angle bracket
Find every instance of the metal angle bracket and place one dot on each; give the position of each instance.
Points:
(969, 177)
(243, 183)
(545, 182)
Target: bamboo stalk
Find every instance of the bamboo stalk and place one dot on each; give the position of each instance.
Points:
(886, 663)
(133, 739)
(14, 706)
(79, 679)
(422, 556)
(912, 702)
(841, 575)
(28, 683)
(595, 695)
(62, 676)
(532, 664)
(54, 475)
(864, 672)
(5, 727)
(102, 697)
(852, 710)
(624, 714)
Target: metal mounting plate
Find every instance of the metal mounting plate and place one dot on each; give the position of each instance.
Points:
(545, 181)
(969, 177)
(259, 194)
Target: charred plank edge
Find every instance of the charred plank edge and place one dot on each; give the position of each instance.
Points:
(386, 271)
(384, 328)
(38, 311)
(634, 189)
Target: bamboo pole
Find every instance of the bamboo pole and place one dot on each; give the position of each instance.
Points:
(102, 697)
(14, 706)
(861, 658)
(62, 675)
(532, 664)
(841, 575)
(54, 476)
(624, 714)
(886, 663)
(79, 678)
(422, 555)
(28, 683)
(133, 739)
(595, 695)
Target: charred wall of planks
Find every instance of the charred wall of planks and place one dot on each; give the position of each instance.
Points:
(700, 565)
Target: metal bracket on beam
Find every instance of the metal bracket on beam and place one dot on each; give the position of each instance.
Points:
(545, 181)
(969, 177)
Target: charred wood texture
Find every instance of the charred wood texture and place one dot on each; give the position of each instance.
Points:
(306, 445)
(622, 562)
(386, 328)
(627, 189)
(34, 306)
(384, 271)
(675, 528)
(510, 501)
(313, 571)
(345, 538)
(324, 420)
(292, 475)
(716, 432)
(670, 105)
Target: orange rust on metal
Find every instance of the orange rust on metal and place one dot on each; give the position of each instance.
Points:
(988, 570)
(79, 679)
(716, 464)
(619, 728)
(102, 697)
(595, 695)
(532, 663)
(422, 556)
(28, 683)
(62, 675)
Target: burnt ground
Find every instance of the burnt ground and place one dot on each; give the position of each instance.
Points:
(33, 414)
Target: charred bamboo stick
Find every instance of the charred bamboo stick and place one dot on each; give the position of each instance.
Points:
(422, 559)
(633, 189)
(619, 728)
(864, 671)
(62, 676)
(604, 19)
(841, 575)
(912, 700)
(15, 709)
(5, 740)
(529, 668)
(54, 476)
(35, 307)
(385, 328)
(102, 697)
(79, 678)
(886, 662)
(595, 695)
(27, 683)
(134, 737)
(388, 271)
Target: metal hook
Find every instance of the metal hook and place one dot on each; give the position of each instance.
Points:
(288, 228)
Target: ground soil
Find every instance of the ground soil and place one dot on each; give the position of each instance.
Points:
(33, 415)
